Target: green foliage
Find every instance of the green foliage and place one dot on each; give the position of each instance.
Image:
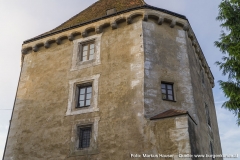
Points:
(229, 44)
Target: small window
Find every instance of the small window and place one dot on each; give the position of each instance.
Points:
(84, 137)
(202, 76)
(84, 134)
(87, 51)
(211, 149)
(84, 93)
(167, 91)
(207, 115)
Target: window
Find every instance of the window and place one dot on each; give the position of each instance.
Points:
(84, 136)
(207, 115)
(87, 51)
(84, 95)
(167, 91)
(211, 149)
(202, 76)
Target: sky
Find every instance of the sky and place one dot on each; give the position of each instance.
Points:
(21, 20)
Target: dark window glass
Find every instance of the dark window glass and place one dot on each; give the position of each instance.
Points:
(84, 95)
(84, 137)
(207, 115)
(87, 52)
(167, 91)
(211, 150)
(202, 76)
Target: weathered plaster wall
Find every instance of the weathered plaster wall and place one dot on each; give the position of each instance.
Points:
(202, 93)
(170, 57)
(166, 60)
(40, 127)
(169, 136)
(135, 58)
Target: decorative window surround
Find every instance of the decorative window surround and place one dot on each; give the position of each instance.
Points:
(77, 64)
(93, 148)
(71, 109)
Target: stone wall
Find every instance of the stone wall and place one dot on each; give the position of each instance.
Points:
(41, 129)
(202, 92)
(133, 60)
(171, 57)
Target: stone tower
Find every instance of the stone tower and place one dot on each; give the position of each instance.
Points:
(121, 79)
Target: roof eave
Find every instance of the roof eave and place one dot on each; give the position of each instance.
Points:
(171, 116)
(105, 17)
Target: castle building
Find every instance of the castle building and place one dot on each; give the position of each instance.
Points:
(120, 80)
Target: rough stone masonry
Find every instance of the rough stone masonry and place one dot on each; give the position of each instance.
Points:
(137, 49)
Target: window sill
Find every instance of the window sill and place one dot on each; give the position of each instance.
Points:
(82, 110)
(169, 100)
(82, 152)
(86, 62)
(82, 107)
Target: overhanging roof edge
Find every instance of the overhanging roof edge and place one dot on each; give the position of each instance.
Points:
(104, 17)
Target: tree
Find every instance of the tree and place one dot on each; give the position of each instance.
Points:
(229, 45)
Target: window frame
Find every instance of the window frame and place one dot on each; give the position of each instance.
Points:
(208, 115)
(72, 108)
(80, 129)
(78, 90)
(211, 149)
(173, 95)
(88, 44)
(75, 148)
(202, 76)
(77, 64)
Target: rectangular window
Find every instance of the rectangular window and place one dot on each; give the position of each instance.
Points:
(207, 115)
(84, 136)
(87, 51)
(167, 91)
(84, 95)
(211, 149)
(202, 76)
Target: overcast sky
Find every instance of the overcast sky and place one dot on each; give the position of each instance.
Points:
(21, 20)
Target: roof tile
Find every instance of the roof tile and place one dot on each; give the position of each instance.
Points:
(169, 113)
(97, 10)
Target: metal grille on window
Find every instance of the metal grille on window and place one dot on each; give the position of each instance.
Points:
(85, 95)
(84, 137)
(167, 91)
(87, 51)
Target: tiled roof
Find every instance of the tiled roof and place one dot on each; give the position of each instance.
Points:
(97, 10)
(169, 113)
